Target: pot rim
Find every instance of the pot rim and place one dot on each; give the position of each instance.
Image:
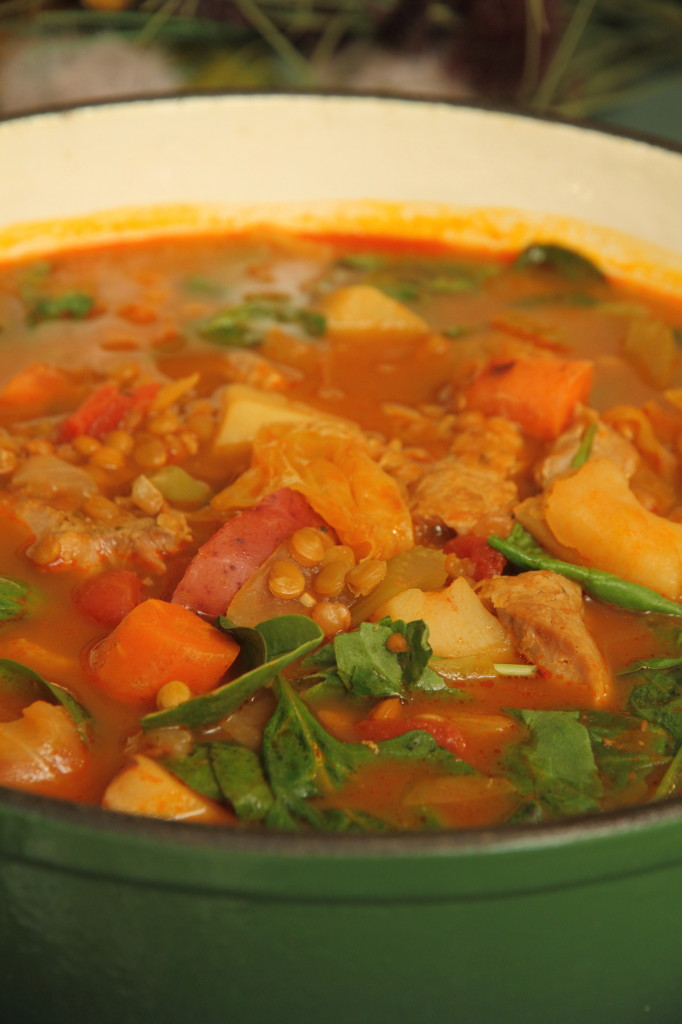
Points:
(510, 839)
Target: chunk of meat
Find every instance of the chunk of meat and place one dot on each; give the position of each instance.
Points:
(462, 496)
(74, 539)
(545, 614)
(233, 554)
(473, 486)
(607, 443)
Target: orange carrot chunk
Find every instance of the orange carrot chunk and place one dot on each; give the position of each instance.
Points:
(540, 395)
(156, 643)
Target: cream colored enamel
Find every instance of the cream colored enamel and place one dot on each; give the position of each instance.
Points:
(317, 163)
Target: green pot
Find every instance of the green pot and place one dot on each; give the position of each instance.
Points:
(115, 920)
(107, 919)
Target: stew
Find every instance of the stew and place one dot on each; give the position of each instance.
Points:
(339, 533)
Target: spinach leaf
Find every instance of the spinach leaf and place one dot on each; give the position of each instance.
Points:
(196, 771)
(245, 325)
(626, 749)
(30, 686)
(15, 599)
(658, 699)
(226, 772)
(366, 665)
(548, 256)
(521, 549)
(555, 766)
(69, 306)
(281, 641)
(304, 761)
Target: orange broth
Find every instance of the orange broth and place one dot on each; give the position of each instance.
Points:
(136, 319)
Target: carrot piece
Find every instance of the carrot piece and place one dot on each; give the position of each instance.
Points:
(539, 394)
(155, 643)
(36, 387)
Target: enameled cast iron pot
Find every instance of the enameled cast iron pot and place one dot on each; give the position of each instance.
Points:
(106, 919)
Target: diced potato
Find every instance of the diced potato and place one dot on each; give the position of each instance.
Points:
(594, 512)
(458, 622)
(361, 313)
(246, 409)
(39, 747)
(145, 787)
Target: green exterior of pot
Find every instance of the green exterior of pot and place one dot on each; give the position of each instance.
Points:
(110, 920)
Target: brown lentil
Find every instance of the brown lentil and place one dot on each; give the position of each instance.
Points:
(306, 546)
(339, 553)
(165, 423)
(172, 694)
(286, 580)
(121, 440)
(85, 445)
(107, 458)
(150, 453)
(366, 576)
(397, 643)
(330, 580)
(332, 617)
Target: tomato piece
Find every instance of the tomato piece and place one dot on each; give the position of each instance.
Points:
(485, 561)
(109, 597)
(101, 412)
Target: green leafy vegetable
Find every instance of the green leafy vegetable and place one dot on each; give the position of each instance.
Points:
(225, 771)
(555, 767)
(547, 256)
(367, 667)
(304, 761)
(69, 306)
(626, 748)
(15, 599)
(281, 641)
(658, 699)
(29, 686)
(521, 549)
(246, 325)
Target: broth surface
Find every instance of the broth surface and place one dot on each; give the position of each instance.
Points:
(338, 533)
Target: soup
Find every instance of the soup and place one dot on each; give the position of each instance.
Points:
(338, 533)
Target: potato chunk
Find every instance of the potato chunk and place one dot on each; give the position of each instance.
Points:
(245, 410)
(362, 313)
(459, 624)
(145, 787)
(594, 512)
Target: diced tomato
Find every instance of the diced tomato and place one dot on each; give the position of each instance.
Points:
(445, 733)
(101, 412)
(486, 561)
(104, 409)
(109, 597)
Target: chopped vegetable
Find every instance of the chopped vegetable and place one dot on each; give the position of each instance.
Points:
(155, 643)
(541, 395)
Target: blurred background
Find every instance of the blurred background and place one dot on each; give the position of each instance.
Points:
(617, 62)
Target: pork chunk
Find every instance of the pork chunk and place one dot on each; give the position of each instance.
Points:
(544, 612)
